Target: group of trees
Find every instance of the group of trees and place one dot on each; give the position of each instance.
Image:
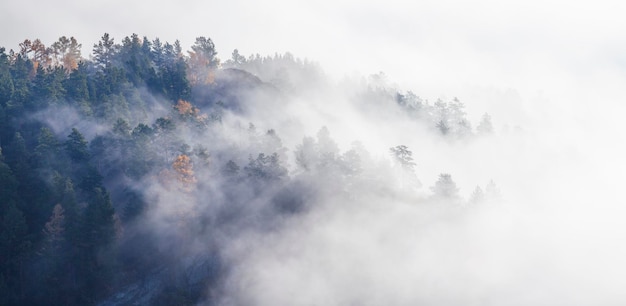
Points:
(58, 223)
(447, 118)
(68, 202)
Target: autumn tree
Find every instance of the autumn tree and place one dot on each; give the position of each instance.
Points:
(66, 52)
(202, 62)
(37, 52)
(188, 112)
(183, 169)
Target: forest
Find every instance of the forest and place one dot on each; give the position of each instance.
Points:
(140, 173)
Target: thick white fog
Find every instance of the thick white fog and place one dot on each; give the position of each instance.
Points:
(550, 73)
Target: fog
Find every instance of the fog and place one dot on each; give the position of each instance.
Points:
(550, 73)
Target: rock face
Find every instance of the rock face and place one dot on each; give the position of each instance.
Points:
(186, 283)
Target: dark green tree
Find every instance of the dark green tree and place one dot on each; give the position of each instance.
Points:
(6, 80)
(104, 51)
(76, 146)
(47, 150)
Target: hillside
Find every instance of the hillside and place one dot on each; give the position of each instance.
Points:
(144, 174)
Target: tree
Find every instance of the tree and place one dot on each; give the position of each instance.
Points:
(445, 188)
(76, 146)
(202, 61)
(204, 48)
(271, 142)
(183, 168)
(443, 127)
(77, 87)
(456, 110)
(265, 168)
(55, 227)
(6, 80)
(66, 197)
(8, 182)
(142, 132)
(47, 147)
(95, 261)
(230, 169)
(325, 144)
(236, 60)
(164, 126)
(478, 196)
(492, 192)
(351, 162)
(66, 53)
(202, 154)
(99, 223)
(306, 154)
(485, 126)
(37, 52)
(104, 51)
(403, 157)
(121, 128)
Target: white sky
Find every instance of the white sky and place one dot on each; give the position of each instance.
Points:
(486, 42)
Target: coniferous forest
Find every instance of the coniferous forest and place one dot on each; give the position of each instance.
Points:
(143, 174)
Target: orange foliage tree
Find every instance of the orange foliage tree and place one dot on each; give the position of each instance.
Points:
(66, 52)
(185, 108)
(183, 169)
(202, 62)
(187, 111)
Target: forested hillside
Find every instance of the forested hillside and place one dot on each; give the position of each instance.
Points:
(133, 174)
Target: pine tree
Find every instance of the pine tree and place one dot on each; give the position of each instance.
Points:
(76, 146)
(445, 188)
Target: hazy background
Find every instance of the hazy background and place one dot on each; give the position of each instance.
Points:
(552, 75)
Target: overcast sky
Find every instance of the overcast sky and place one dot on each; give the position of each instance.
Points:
(434, 45)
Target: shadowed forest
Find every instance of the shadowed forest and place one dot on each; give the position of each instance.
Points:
(145, 174)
